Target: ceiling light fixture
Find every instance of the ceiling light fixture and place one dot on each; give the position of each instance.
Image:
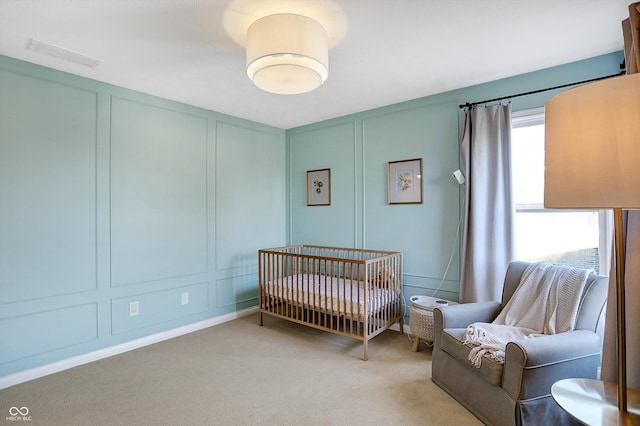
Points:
(287, 54)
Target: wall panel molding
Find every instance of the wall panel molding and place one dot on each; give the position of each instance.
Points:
(249, 194)
(158, 193)
(47, 191)
(37, 333)
(335, 147)
(236, 290)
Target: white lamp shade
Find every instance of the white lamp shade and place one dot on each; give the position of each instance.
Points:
(592, 146)
(287, 54)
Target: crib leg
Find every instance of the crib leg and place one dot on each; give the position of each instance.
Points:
(260, 323)
(401, 321)
(364, 358)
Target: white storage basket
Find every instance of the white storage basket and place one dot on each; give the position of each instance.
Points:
(421, 318)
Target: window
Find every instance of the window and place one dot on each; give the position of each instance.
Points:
(577, 238)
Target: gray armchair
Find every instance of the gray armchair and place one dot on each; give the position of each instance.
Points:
(517, 392)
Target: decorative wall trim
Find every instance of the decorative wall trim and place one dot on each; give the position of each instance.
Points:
(55, 367)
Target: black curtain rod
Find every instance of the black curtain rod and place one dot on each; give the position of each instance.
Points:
(472, 104)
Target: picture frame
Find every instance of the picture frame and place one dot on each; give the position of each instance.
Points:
(404, 181)
(319, 187)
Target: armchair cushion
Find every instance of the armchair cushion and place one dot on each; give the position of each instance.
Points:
(452, 343)
(454, 324)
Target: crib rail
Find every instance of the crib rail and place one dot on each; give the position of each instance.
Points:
(352, 292)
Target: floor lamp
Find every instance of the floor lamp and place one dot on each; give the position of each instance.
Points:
(593, 162)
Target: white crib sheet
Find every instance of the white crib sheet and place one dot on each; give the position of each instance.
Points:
(336, 295)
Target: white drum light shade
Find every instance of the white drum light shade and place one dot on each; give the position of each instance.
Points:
(287, 54)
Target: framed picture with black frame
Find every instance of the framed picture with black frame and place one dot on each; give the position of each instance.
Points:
(319, 187)
(405, 181)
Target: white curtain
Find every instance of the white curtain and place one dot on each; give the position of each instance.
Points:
(632, 318)
(488, 237)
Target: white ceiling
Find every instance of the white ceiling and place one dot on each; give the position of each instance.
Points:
(382, 51)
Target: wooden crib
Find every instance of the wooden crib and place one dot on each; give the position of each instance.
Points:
(351, 292)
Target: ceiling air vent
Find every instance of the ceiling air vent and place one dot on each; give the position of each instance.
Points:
(62, 53)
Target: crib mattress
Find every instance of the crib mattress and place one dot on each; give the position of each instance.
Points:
(337, 295)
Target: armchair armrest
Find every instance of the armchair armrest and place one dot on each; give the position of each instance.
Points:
(460, 316)
(533, 365)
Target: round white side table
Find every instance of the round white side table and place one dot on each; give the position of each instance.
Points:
(594, 402)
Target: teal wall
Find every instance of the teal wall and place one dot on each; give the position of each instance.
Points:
(357, 148)
(109, 196)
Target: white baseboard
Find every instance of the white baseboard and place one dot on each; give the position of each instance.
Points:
(45, 370)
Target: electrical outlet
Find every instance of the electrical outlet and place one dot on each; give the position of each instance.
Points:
(184, 298)
(134, 309)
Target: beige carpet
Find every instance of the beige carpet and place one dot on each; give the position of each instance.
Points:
(238, 373)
